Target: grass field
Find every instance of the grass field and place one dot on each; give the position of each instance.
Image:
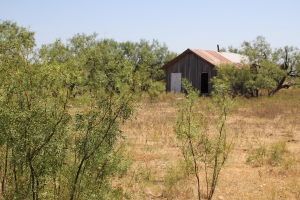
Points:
(264, 163)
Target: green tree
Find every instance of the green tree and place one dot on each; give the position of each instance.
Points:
(273, 69)
(59, 120)
(232, 50)
(148, 59)
(94, 56)
(101, 82)
(33, 115)
(97, 133)
(266, 68)
(240, 79)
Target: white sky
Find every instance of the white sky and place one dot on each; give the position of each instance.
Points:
(196, 24)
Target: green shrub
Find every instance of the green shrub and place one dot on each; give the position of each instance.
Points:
(277, 151)
(199, 148)
(257, 157)
(273, 154)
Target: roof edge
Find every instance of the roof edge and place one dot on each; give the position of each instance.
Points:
(194, 51)
(202, 57)
(180, 55)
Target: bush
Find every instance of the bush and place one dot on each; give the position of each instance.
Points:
(50, 149)
(199, 148)
(273, 154)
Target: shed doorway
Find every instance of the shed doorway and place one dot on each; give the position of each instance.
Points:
(204, 82)
(176, 82)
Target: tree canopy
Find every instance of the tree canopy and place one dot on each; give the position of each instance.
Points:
(61, 110)
(92, 56)
(271, 69)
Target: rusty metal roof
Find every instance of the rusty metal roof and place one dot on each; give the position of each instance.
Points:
(214, 57)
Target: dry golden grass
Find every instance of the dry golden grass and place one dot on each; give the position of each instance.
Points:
(156, 155)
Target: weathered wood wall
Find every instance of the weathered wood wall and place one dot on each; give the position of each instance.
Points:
(191, 66)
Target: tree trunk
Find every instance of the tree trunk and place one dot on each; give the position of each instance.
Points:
(279, 86)
(5, 170)
(76, 179)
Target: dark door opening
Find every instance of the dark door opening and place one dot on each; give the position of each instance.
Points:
(204, 82)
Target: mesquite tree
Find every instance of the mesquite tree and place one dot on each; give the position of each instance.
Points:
(33, 115)
(60, 120)
(91, 56)
(207, 148)
(272, 69)
(264, 69)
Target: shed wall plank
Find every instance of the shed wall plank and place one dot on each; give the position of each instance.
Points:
(191, 67)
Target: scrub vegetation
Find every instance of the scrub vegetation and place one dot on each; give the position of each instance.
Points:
(265, 69)
(89, 119)
(62, 109)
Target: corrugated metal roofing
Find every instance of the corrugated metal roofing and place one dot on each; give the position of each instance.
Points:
(235, 58)
(215, 58)
(211, 56)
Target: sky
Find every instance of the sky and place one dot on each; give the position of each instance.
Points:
(195, 24)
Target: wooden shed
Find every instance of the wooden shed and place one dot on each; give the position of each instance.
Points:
(198, 66)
